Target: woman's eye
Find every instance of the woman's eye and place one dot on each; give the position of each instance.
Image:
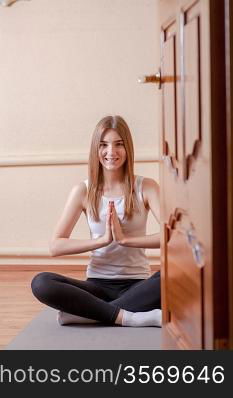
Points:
(117, 144)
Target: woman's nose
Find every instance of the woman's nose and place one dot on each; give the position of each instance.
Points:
(111, 150)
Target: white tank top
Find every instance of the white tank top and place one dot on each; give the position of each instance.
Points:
(115, 261)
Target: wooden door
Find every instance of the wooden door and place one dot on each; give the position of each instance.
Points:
(193, 176)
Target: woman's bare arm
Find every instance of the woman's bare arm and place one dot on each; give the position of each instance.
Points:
(60, 243)
(145, 241)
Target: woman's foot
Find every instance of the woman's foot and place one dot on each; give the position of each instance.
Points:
(141, 319)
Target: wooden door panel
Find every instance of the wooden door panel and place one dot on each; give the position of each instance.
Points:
(193, 175)
(168, 65)
(192, 98)
(186, 238)
(184, 283)
(170, 129)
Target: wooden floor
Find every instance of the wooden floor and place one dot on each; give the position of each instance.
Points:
(18, 306)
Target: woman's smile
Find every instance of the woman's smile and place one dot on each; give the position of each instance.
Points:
(111, 160)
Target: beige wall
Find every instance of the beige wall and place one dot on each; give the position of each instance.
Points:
(64, 65)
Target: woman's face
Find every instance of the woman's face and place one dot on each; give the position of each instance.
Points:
(112, 153)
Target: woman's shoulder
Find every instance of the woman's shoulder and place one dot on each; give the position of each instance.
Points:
(79, 190)
(146, 183)
(80, 187)
(149, 182)
(149, 187)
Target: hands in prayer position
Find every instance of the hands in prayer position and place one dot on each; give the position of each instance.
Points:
(113, 230)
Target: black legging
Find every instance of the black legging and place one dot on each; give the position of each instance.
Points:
(99, 299)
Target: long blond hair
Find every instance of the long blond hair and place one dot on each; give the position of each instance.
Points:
(95, 171)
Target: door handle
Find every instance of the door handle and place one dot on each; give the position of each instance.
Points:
(197, 248)
(151, 78)
(198, 255)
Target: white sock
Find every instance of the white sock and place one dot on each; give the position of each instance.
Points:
(65, 318)
(147, 318)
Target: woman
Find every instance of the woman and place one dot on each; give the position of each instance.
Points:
(118, 289)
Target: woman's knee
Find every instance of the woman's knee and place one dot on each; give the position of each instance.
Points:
(155, 275)
(39, 284)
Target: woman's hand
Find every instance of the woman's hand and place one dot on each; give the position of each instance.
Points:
(117, 232)
(107, 237)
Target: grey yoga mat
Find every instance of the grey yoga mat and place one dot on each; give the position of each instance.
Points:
(44, 333)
